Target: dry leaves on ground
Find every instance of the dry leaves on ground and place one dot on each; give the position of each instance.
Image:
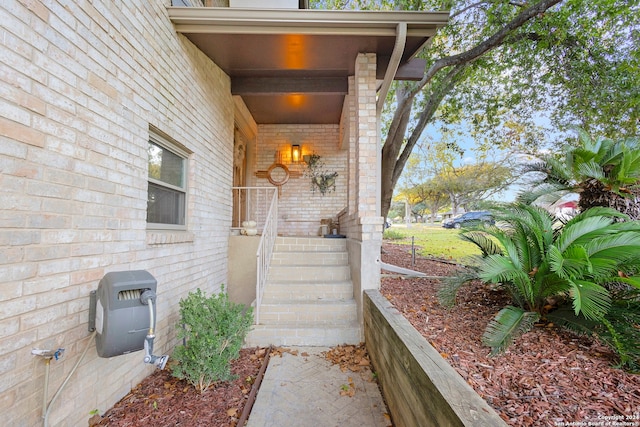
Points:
(548, 377)
(349, 357)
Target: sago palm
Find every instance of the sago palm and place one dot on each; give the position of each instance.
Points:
(537, 259)
(603, 172)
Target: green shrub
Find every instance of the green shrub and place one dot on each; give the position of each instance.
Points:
(581, 262)
(213, 329)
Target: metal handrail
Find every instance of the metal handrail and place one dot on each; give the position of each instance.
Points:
(251, 204)
(265, 251)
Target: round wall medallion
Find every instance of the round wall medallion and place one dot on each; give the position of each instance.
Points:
(278, 174)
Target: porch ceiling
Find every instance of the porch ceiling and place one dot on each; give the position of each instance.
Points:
(292, 66)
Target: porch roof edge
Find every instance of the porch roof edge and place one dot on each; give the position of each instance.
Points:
(214, 20)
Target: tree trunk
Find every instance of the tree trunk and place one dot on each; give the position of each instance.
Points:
(594, 193)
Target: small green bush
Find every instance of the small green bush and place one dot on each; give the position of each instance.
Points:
(214, 329)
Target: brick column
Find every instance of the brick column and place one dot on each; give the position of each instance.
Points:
(367, 145)
(364, 221)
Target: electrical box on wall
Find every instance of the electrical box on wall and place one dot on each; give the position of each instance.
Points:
(122, 318)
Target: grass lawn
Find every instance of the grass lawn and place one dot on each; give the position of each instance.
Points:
(432, 241)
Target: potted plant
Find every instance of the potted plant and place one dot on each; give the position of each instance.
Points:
(321, 179)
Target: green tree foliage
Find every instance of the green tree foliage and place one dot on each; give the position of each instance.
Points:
(465, 184)
(546, 266)
(214, 329)
(418, 188)
(498, 63)
(433, 195)
(602, 171)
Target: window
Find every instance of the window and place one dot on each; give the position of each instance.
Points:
(167, 194)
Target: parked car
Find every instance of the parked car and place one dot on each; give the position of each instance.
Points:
(469, 219)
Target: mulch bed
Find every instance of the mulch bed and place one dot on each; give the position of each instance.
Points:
(162, 400)
(549, 377)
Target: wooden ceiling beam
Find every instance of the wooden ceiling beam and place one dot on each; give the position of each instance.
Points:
(288, 85)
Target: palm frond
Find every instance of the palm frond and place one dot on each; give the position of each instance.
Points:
(565, 317)
(552, 192)
(620, 246)
(483, 241)
(584, 230)
(573, 263)
(597, 211)
(448, 290)
(587, 142)
(552, 285)
(629, 167)
(498, 268)
(624, 338)
(506, 326)
(590, 169)
(559, 170)
(590, 299)
(529, 222)
(603, 269)
(626, 225)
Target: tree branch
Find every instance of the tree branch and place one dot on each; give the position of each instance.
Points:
(491, 43)
(461, 11)
(448, 83)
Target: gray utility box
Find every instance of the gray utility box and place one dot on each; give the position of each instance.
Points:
(121, 319)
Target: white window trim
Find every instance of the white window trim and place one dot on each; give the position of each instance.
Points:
(167, 143)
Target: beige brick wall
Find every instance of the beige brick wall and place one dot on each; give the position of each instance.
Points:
(361, 220)
(300, 209)
(80, 84)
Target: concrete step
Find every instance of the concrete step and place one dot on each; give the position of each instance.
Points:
(307, 291)
(326, 335)
(308, 298)
(309, 273)
(309, 244)
(310, 258)
(313, 313)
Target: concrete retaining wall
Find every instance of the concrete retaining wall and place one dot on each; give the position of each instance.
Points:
(420, 388)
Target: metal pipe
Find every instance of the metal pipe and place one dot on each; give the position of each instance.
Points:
(152, 320)
(47, 366)
(160, 361)
(392, 68)
(394, 63)
(66, 380)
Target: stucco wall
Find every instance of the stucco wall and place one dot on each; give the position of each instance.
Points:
(299, 208)
(241, 285)
(81, 84)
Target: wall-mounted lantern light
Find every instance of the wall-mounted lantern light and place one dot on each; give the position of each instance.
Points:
(295, 153)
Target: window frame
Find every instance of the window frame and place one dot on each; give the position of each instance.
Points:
(166, 143)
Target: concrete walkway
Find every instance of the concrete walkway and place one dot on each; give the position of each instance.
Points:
(304, 390)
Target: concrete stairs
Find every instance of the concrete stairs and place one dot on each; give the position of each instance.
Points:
(308, 298)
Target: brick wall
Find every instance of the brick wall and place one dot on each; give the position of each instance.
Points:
(80, 84)
(300, 209)
(360, 221)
